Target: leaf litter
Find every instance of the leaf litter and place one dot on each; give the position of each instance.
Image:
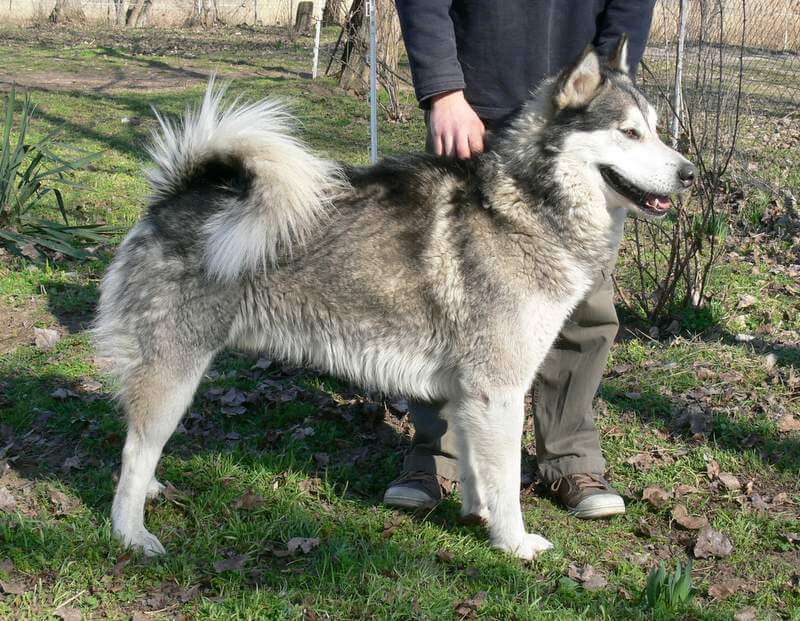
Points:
(586, 575)
(711, 543)
(681, 516)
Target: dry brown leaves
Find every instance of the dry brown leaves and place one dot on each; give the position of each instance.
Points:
(67, 613)
(788, 423)
(322, 459)
(302, 544)
(587, 576)
(729, 481)
(746, 614)
(656, 496)
(119, 566)
(45, 338)
(792, 537)
(712, 544)
(174, 495)
(301, 432)
(723, 590)
(7, 501)
(62, 504)
(311, 486)
(12, 588)
(233, 563)
(694, 416)
(646, 460)
(392, 524)
(250, 500)
(468, 609)
(681, 516)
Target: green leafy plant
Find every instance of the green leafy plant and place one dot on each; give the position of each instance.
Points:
(668, 591)
(31, 178)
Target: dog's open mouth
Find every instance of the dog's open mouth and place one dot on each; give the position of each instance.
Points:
(655, 204)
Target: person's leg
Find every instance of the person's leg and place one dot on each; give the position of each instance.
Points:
(567, 443)
(431, 459)
(430, 466)
(433, 447)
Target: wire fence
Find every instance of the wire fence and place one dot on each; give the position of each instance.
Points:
(164, 12)
(741, 72)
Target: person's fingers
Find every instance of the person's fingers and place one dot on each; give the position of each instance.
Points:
(476, 144)
(447, 144)
(463, 146)
(436, 143)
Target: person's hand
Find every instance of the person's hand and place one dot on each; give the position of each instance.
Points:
(454, 127)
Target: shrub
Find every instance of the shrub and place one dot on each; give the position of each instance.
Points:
(31, 178)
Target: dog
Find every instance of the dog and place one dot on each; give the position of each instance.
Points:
(432, 278)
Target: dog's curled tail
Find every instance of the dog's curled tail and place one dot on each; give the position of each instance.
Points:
(288, 188)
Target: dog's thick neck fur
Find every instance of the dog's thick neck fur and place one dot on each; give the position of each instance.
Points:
(526, 179)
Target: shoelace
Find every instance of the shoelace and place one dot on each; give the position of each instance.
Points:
(582, 480)
(421, 477)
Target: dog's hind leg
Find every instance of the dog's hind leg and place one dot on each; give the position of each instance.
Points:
(489, 432)
(155, 396)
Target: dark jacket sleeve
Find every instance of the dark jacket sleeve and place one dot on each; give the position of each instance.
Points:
(624, 16)
(431, 46)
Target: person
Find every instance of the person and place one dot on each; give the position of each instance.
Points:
(473, 64)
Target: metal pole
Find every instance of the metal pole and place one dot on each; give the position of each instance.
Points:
(677, 94)
(373, 80)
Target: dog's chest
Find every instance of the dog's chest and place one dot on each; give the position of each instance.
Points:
(536, 325)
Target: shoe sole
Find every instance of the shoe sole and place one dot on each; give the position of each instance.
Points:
(405, 502)
(599, 511)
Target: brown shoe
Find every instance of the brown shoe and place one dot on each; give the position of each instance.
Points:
(588, 496)
(417, 490)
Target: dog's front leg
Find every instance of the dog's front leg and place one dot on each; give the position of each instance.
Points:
(489, 427)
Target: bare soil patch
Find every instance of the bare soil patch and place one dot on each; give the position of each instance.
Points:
(16, 324)
(252, 51)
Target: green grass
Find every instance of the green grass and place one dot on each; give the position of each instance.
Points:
(70, 440)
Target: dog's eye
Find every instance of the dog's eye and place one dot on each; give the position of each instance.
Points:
(631, 133)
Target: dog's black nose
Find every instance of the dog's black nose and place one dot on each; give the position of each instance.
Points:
(686, 174)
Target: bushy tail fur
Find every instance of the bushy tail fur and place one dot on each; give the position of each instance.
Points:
(289, 191)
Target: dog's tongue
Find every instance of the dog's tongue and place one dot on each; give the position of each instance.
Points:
(658, 203)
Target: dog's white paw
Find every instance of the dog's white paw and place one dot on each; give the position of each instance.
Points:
(144, 541)
(154, 488)
(529, 548)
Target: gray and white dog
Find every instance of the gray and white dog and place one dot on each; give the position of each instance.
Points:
(437, 279)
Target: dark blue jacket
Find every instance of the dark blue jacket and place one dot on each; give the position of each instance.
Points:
(498, 50)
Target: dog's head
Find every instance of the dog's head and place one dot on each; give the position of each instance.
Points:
(598, 121)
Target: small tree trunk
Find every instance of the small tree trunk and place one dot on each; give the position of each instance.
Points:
(204, 13)
(353, 44)
(304, 17)
(67, 11)
(334, 13)
(137, 14)
(120, 12)
(355, 70)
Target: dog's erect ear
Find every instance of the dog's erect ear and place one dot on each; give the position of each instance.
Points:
(619, 59)
(578, 84)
